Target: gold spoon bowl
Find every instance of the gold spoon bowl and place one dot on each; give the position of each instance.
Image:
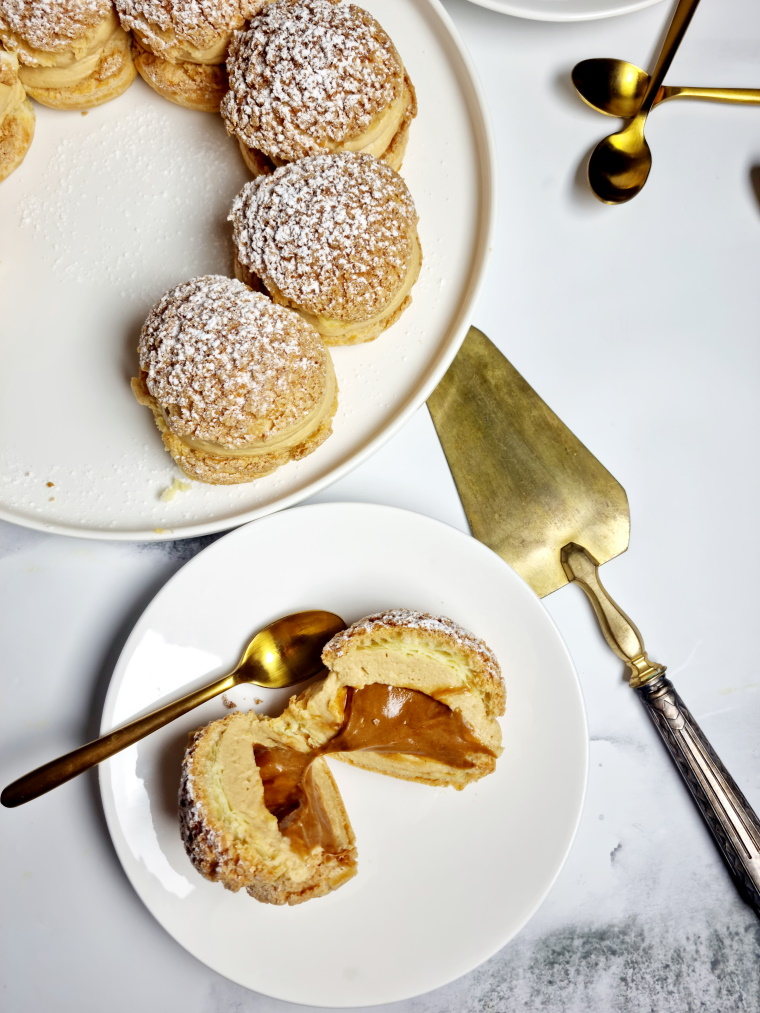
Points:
(617, 88)
(282, 654)
(619, 165)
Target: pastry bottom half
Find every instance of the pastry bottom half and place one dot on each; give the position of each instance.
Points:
(114, 73)
(344, 332)
(217, 470)
(198, 86)
(228, 832)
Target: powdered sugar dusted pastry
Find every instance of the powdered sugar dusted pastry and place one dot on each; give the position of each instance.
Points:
(314, 76)
(241, 833)
(180, 45)
(238, 386)
(408, 694)
(73, 54)
(16, 116)
(335, 238)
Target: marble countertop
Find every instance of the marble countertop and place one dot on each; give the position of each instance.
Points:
(639, 326)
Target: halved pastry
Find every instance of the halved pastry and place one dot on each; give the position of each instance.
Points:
(315, 76)
(73, 55)
(407, 694)
(180, 46)
(237, 386)
(333, 237)
(411, 695)
(16, 116)
(281, 846)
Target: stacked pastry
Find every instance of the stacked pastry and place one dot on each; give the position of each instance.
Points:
(16, 116)
(408, 694)
(316, 88)
(72, 55)
(315, 76)
(331, 237)
(180, 46)
(335, 238)
(237, 386)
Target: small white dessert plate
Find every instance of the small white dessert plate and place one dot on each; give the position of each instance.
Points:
(110, 210)
(445, 878)
(565, 10)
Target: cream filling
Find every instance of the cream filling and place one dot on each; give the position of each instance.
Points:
(179, 50)
(376, 139)
(288, 438)
(11, 97)
(237, 794)
(69, 69)
(329, 327)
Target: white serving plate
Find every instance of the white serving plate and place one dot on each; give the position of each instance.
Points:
(565, 10)
(111, 209)
(445, 878)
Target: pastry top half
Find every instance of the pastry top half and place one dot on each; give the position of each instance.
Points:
(198, 31)
(334, 236)
(310, 76)
(411, 695)
(46, 34)
(230, 372)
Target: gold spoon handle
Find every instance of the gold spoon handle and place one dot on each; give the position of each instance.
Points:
(676, 30)
(744, 96)
(56, 772)
(728, 814)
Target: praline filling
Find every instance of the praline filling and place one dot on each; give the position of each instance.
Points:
(377, 718)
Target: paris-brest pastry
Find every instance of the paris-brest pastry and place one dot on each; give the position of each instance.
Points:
(16, 116)
(237, 386)
(333, 237)
(180, 46)
(407, 694)
(315, 76)
(72, 54)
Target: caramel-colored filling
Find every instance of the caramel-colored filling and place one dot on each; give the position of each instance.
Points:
(377, 718)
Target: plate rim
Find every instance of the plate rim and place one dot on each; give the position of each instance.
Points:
(107, 796)
(484, 234)
(517, 9)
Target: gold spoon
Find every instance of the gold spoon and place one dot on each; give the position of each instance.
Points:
(282, 654)
(616, 88)
(620, 164)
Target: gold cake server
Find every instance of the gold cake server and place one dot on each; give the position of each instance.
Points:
(535, 495)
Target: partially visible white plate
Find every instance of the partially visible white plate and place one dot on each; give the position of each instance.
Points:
(565, 10)
(110, 210)
(445, 878)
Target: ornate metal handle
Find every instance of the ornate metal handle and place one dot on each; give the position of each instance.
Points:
(726, 811)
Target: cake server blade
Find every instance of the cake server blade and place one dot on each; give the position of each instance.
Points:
(540, 499)
(527, 483)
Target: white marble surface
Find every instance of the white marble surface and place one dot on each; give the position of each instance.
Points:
(639, 326)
